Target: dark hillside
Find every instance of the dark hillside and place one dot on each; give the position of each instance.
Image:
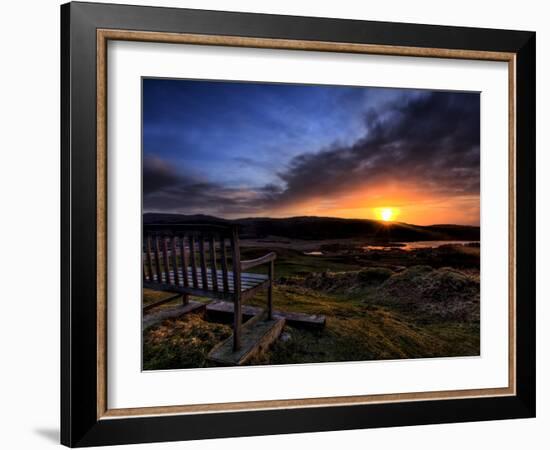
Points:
(328, 228)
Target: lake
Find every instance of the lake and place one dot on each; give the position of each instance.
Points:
(415, 245)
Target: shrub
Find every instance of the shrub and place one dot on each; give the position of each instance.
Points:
(374, 275)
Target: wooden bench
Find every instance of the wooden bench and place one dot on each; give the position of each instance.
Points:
(193, 259)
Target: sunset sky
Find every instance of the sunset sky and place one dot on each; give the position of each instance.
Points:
(236, 150)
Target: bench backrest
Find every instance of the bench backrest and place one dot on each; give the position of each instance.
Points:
(191, 255)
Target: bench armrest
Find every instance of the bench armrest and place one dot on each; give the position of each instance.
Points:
(258, 261)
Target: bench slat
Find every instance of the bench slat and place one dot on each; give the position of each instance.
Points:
(165, 259)
(149, 257)
(214, 270)
(157, 258)
(193, 261)
(224, 265)
(184, 262)
(175, 260)
(203, 262)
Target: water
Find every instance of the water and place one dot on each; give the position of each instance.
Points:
(415, 245)
(406, 246)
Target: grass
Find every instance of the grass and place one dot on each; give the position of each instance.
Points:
(292, 262)
(150, 296)
(373, 312)
(181, 343)
(359, 330)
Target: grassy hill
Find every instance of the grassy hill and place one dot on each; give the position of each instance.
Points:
(372, 314)
(379, 304)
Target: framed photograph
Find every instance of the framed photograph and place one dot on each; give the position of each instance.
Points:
(276, 224)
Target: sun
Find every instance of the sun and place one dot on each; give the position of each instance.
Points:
(386, 214)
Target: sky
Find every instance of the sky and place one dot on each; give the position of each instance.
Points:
(244, 149)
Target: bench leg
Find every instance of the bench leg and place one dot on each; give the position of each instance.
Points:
(237, 322)
(185, 299)
(270, 291)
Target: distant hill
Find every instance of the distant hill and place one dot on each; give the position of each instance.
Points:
(327, 228)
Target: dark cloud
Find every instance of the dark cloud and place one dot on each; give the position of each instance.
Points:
(157, 175)
(430, 138)
(433, 139)
(165, 189)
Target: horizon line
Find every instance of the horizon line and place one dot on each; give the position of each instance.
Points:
(315, 217)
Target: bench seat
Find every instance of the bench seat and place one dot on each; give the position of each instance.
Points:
(249, 282)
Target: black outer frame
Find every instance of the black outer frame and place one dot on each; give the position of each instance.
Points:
(79, 424)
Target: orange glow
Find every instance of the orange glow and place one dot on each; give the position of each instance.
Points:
(404, 201)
